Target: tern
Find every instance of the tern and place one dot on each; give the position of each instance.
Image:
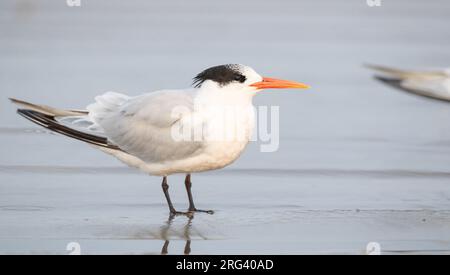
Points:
(139, 130)
(428, 83)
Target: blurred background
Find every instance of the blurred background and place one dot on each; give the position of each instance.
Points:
(348, 143)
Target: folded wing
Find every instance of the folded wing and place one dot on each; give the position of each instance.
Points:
(142, 126)
(139, 126)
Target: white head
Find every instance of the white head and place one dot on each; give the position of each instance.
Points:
(240, 78)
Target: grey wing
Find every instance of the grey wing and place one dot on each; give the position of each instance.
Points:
(142, 126)
(431, 84)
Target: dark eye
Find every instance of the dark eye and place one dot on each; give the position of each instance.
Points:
(240, 78)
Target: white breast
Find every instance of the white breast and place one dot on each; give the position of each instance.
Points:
(228, 135)
(226, 124)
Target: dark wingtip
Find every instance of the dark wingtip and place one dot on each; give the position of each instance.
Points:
(51, 124)
(392, 82)
(396, 83)
(387, 80)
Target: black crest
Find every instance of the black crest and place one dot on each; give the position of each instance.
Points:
(222, 74)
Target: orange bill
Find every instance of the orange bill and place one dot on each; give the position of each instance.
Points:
(273, 83)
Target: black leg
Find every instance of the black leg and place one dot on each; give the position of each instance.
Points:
(188, 184)
(165, 188)
(187, 248)
(192, 208)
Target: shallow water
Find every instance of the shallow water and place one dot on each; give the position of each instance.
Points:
(357, 163)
